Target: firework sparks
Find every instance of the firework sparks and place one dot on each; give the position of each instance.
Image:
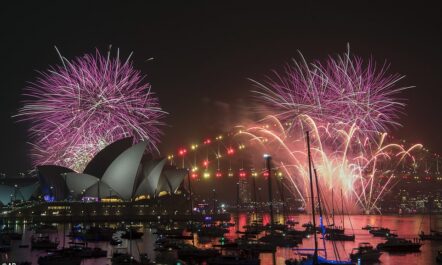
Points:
(347, 105)
(77, 108)
(363, 170)
(343, 89)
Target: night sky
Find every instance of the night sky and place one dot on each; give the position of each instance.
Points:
(205, 53)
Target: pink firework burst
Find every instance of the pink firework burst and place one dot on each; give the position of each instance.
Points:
(77, 108)
(343, 89)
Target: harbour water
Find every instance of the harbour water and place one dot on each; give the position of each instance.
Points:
(405, 226)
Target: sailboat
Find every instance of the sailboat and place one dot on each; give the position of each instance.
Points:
(338, 236)
(315, 259)
(276, 237)
(433, 235)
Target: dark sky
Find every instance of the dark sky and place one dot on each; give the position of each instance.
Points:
(204, 53)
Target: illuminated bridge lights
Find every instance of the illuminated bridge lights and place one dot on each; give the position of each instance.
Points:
(206, 163)
(242, 174)
(218, 174)
(207, 141)
(230, 151)
(230, 173)
(194, 147)
(206, 174)
(194, 175)
(182, 151)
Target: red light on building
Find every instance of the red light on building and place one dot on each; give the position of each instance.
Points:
(194, 175)
(207, 141)
(265, 174)
(218, 174)
(206, 163)
(230, 151)
(242, 174)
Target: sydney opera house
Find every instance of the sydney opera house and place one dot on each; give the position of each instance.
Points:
(121, 181)
(121, 170)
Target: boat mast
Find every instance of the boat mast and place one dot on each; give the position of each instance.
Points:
(321, 221)
(269, 181)
(430, 202)
(64, 223)
(254, 197)
(315, 254)
(237, 205)
(333, 210)
(281, 192)
(343, 219)
(191, 206)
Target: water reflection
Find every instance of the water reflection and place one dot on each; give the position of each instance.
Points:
(404, 226)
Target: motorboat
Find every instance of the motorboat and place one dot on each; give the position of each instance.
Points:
(255, 246)
(395, 244)
(331, 229)
(126, 259)
(296, 233)
(339, 237)
(233, 260)
(83, 252)
(43, 242)
(281, 240)
(212, 231)
(132, 233)
(382, 232)
(309, 260)
(190, 252)
(276, 226)
(365, 252)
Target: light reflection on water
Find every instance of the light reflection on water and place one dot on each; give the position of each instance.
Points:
(404, 226)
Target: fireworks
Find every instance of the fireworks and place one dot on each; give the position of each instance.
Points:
(348, 106)
(341, 90)
(77, 108)
(362, 169)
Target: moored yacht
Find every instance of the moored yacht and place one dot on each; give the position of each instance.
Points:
(43, 242)
(382, 232)
(365, 252)
(339, 237)
(395, 244)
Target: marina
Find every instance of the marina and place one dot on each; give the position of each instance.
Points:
(406, 227)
